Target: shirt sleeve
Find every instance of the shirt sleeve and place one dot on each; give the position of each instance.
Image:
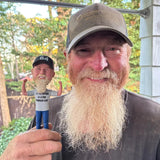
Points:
(53, 93)
(30, 93)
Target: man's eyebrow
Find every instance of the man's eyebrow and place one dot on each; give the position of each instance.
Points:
(117, 39)
(81, 43)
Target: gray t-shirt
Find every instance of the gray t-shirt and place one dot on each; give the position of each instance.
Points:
(141, 136)
(42, 98)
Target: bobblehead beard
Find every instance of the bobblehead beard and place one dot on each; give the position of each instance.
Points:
(93, 114)
(41, 83)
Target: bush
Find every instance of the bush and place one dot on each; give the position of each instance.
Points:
(15, 127)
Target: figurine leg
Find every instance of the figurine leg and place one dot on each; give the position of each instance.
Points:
(45, 119)
(38, 119)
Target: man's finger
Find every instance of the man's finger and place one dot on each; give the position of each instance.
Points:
(44, 157)
(39, 135)
(43, 148)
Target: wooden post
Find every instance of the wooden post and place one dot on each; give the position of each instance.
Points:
(3, 98)
(150, 51)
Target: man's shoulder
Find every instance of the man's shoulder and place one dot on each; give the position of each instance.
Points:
(51, 92)
(57, 100)
(31, 92)
(142, 105)
(140, 99)
(55, 104)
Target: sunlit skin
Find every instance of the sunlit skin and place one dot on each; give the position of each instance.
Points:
(41, 71)
(99, 51)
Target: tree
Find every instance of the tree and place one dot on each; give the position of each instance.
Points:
(3, 94)
(3, 98)
(48, 36)
(11, 42)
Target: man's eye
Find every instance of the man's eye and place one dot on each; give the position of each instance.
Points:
(83, 52)
(112, 51)
(47, 70)
(38, 68)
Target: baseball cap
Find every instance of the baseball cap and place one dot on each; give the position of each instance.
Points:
(93, 18)
(43, 60)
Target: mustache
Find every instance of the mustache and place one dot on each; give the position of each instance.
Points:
(41, 80)
(105, 74)
(41, 76)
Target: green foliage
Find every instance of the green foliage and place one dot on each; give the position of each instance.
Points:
(14, 85)
(62, 76)
(85, 2)
(16, 126)
(132, 86)
(23, 39)
(133, 24)
(42, 30)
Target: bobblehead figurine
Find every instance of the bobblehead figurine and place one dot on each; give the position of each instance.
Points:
(42, 72)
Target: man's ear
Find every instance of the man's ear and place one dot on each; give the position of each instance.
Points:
(66, 55)
(129, 51)
(53, 73)
(32, 71)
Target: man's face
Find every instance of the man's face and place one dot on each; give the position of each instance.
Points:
(93, 113)
(42, 71)
(98, 52)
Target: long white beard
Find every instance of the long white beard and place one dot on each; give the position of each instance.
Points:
(41, 84)
(93, 114)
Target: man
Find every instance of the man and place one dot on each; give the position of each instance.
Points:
(42, 72)
(98, 119)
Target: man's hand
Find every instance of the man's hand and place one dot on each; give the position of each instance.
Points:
(33, 145)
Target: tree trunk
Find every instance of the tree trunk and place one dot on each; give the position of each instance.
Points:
(3, 98)
(50, 40)
(17, 69)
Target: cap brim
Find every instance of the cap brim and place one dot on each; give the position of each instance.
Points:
(42, 62)
(93, 30)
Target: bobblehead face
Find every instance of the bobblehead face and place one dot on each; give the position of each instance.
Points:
(42, 75)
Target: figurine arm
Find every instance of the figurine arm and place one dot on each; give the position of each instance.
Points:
(24, 92)
(60, 89)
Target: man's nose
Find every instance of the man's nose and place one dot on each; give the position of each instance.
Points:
(98, 61)
(42, 71)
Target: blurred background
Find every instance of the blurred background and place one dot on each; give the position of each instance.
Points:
(29, 30)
